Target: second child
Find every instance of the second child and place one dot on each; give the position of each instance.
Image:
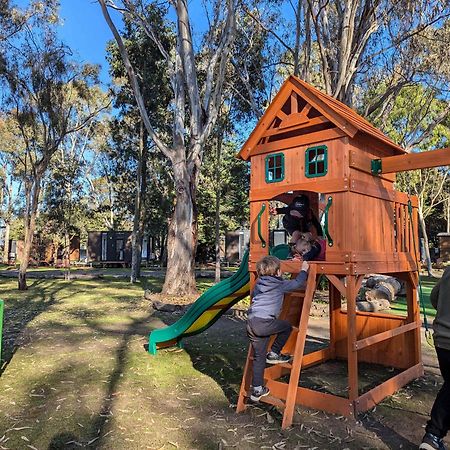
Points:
(263, 322)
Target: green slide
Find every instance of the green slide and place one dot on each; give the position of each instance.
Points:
(205, 311)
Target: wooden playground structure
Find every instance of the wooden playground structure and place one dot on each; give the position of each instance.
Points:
(310, 143)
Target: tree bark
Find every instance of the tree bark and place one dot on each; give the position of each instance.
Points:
(138, 221)
(217, 212)
(423, 228)
(182, 235)
(447, 216)
(32, 194)
(6, 248)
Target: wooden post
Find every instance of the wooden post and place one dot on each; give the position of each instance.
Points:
(299, 348)
(246, 380)
(335, 307)
(352, 355)
(414, 314)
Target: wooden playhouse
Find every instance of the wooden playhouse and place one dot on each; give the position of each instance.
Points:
(310, 143)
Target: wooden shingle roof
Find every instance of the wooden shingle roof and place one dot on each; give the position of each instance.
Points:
(310, 111)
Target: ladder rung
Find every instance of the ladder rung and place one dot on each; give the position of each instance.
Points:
(273, 401)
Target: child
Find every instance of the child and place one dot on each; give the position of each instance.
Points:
(267, 299)
(439, 423)
(298, 218)
(309, 249)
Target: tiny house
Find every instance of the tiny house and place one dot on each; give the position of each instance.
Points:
(114, 247)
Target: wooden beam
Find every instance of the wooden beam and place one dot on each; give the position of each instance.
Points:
(375, 395)
(299, 141)
(412, 161)
(363, 343)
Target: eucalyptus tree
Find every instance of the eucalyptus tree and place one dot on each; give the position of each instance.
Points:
(196, 80)
(49, 97)
(130, 146)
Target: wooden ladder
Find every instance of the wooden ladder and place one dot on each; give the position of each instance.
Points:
(283, 396)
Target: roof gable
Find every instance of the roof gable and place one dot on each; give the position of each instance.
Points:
(300, 109)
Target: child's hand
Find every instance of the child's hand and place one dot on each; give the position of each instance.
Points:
(305, 266)
(272, 210)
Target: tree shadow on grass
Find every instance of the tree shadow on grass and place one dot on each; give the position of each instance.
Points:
(19, 312)
(386, 434)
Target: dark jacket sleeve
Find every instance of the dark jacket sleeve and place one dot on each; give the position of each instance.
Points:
(284, 210)
(317, 225)
(292, 285)
(435, 294)
(313, 253)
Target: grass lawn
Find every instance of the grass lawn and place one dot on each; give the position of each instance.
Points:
(427, 285)
(75, 375)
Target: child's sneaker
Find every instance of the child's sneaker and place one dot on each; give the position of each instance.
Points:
(275, 358)
(258, 392)
(432, 442)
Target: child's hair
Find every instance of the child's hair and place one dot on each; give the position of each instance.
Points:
(269, 265)
(302, 246)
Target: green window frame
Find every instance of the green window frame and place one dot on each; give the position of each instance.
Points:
(275, 168)
(316, 161)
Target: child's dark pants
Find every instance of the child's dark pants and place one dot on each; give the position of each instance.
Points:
(259, 332)
(439, 423)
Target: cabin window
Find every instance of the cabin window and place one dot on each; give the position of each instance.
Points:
(274, 168)
(316, 161)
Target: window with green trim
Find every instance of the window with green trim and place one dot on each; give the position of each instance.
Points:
(316, 161)
(274, 168)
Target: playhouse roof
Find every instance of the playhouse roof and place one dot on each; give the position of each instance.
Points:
(326, 109)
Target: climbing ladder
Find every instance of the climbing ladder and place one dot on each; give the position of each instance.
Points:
(284, 395)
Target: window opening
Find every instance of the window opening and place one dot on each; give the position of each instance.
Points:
(275, 168)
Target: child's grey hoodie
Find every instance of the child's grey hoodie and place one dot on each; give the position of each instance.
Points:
(268, 294)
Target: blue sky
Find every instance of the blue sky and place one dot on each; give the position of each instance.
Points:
(85, 31)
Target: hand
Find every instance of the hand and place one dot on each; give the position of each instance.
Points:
(272, 210)
(305, 266)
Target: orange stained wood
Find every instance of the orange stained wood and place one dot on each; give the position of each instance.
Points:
(411, 161)
(294, 169)
(301, 114)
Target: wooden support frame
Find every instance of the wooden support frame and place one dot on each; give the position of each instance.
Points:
(287, 395)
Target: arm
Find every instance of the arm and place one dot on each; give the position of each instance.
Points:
(435, 294)
(315, 227)
(297, 283)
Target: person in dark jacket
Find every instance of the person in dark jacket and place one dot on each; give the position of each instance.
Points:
(439, 423)
(299, 218)
(267, 300)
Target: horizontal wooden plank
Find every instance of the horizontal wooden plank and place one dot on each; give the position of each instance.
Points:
(313, 399)
(296, 141)
(412, 161)
(378, 191)
(359, 160)
(378, 393)
(378, 315)
(365, 256)
(361, 268)
(324, 187)
(363, 343)
(316, 357)
(325, 402)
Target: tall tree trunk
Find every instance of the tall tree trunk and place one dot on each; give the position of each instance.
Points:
(447, 216)
(6, 248)
(30, 225)
(139, 214)
(423, 228)
(182, 235)
(217, 212)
